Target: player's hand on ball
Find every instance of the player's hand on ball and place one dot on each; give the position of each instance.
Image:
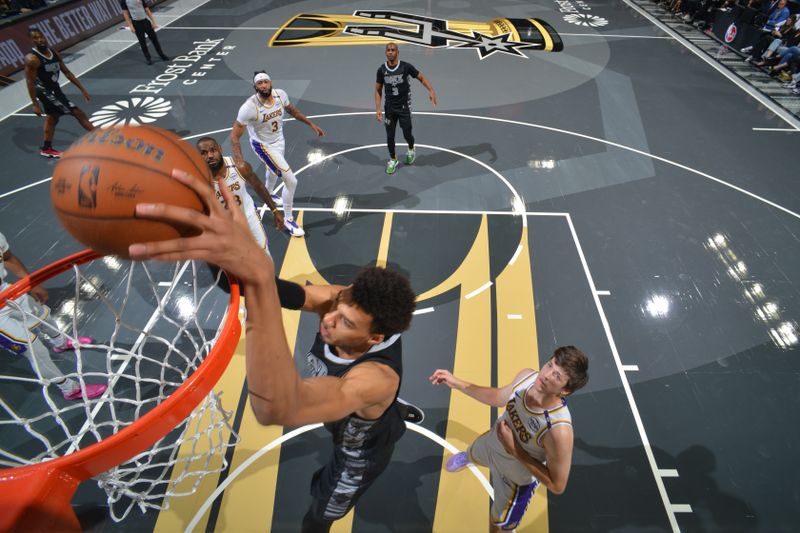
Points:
(224, 240)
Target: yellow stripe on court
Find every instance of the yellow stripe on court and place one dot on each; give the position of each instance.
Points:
(462, 503)
(517, 348)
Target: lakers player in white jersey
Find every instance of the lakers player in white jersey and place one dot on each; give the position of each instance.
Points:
(531, 442)
(24, 322)
(225, 172)
(262, 114)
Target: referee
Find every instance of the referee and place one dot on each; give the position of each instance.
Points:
(393, 78)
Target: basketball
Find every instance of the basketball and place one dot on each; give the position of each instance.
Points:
(104, 174)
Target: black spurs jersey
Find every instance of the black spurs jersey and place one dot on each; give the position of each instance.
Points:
(396, 86)
(48, 71)
(355, 435)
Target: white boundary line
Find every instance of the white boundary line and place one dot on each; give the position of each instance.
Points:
(616, 35)
(760, 98)
(529, 125)
(786, 130)
(668, 507)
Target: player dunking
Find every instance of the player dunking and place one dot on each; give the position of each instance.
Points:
(224, 170)
(42, 67)
(355, 359)
(531, 443)
(393, 79)
(263, 115)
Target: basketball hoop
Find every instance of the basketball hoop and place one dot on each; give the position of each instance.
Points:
(159, 392)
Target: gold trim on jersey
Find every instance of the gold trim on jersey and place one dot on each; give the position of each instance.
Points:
(540, 434)
(509, 503)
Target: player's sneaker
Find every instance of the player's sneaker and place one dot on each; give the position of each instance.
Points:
(50, 152)
(90, 392)
(410, 412)
(391, 166)
(278, 199)
(69, 345)
(457, 462)
(292, 227)
(411, 156)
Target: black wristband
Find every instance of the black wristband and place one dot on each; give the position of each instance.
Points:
(291, 295)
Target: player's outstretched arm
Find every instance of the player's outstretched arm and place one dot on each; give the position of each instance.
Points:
(225, 240)
(494, 396)
(296, 113)
(326, 399)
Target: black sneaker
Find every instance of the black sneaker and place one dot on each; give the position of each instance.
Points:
(148, 60)
(410, 412)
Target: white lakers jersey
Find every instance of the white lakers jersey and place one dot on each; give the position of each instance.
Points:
(264, 123)
(530, 425)
(237, 185)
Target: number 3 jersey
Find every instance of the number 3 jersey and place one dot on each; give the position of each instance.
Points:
(396, 86)
(264, 122)
(238, 187)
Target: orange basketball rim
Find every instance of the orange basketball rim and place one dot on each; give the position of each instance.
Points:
(37, 497)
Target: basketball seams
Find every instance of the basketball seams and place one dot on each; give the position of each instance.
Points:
(189, 155)
(119, 160)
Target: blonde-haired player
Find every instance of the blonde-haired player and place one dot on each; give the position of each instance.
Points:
(262, 114)
(235, 177)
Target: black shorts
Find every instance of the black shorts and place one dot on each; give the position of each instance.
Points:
(336, 487)
(55, 102)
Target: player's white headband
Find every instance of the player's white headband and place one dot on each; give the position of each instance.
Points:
(259, 77)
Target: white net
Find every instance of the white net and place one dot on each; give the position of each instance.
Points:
(151, 326)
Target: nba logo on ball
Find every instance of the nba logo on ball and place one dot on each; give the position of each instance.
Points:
(730, 35)
(87, 187)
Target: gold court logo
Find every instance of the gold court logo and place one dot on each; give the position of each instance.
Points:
(370, 27)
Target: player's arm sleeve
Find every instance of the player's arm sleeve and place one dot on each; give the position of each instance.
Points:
(122, 5)
(291, 295)
(412, 71)
(378, 77)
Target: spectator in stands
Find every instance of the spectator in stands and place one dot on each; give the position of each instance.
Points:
(9, 8)
(770, 42)
(777, 16)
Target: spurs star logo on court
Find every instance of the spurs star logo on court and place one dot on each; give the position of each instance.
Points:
(503, 35)
(131, 112)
